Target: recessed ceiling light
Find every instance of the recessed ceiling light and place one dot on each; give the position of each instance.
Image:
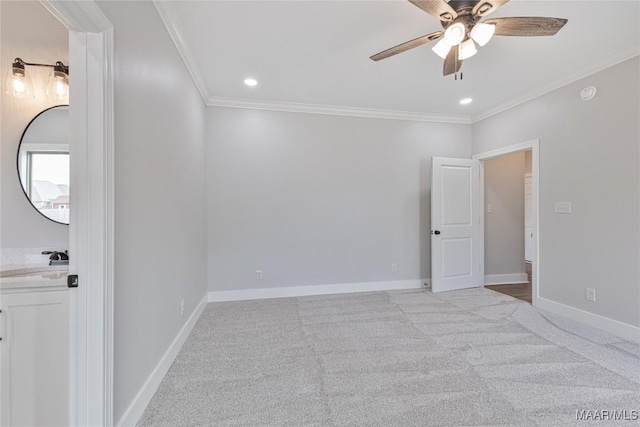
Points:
(251, 82)
(466, 101)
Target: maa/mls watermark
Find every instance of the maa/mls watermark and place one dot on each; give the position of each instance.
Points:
(607, 415)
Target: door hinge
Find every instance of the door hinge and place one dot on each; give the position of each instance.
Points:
(72, 280)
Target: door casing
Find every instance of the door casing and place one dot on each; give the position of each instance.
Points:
(534, 147)
(91, 231)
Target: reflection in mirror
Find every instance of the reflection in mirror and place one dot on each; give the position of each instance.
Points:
(43, 163)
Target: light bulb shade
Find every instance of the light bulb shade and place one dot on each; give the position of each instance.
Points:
(441, 49)
(18, 84)
(482, 33)
(58, 86)
(455, 34)
(467, 50)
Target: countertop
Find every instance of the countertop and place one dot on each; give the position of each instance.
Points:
(33, 276)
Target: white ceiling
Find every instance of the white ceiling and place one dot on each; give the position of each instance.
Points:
(317, 52)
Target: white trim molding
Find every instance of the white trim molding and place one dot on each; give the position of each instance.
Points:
(171, 23)
(170, 20)
(593, 68)
(334, 110)
(511, 149)
(78, 15)
(505, 279)
(136, 409)
(615, 327)
(534, 146)
(302, 291)
(91, 231)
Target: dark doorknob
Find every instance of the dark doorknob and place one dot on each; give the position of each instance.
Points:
(436, 232)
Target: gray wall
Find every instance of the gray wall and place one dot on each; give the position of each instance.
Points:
(318, 199)
(160, 243)
(30, 32)
(589, 155)
(504, 227)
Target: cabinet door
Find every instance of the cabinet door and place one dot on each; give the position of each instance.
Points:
(34, 359)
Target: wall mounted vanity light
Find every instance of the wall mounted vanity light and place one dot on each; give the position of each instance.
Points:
(19, 84)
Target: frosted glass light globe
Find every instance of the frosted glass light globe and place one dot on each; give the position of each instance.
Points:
(455, 34)
(482, 33)
(467, 50)
(441, 49)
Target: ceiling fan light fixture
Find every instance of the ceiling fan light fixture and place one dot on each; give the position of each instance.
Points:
(441, 49)
(482, 33)
(455, 34)
(467, 50)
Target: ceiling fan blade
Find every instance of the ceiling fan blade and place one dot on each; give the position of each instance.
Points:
(530, 26)
(406, 46)
(437, 8)
(485, 7)
(452, 64)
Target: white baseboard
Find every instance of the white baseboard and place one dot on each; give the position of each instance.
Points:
(504, 279)
(615, 327)
(142, 399)
(301, 291)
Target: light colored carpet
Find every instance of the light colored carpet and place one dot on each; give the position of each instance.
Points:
(400, 358)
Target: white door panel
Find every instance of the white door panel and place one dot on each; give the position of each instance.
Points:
(456, 241)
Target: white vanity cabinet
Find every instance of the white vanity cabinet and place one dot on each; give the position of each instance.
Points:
(34, 359)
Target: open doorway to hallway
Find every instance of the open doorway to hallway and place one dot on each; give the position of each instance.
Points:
(508, 224)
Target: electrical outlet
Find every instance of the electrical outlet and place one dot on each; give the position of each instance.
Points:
(182, 308)
(591, 294)
(258, 274)
(394, 268)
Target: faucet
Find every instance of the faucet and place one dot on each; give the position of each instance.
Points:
(57, 257)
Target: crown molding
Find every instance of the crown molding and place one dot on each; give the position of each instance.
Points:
(291, 107)
(593, 68)
(170, 20)
(78, 14)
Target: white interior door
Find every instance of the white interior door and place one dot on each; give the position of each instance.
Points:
(456, 232)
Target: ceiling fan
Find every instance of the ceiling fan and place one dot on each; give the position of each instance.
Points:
(463, 29)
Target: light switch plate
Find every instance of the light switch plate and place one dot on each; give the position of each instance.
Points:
(489, 208)
(562, 207)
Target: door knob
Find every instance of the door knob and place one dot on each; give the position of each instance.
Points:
(436, 232)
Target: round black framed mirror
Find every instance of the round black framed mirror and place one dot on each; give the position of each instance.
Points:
(43, 163)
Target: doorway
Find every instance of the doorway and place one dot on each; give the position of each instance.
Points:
(509, 188)
(91, 229)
